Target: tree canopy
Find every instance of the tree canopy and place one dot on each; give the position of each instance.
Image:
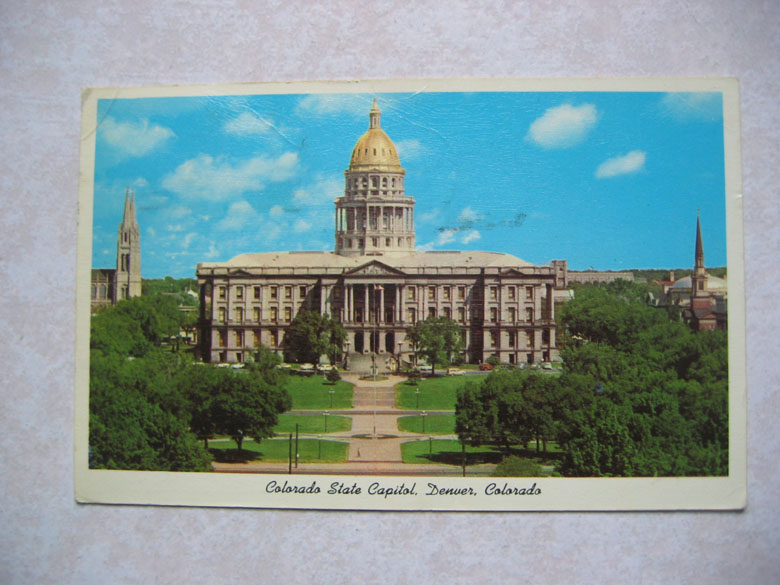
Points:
(641, 394)
(312, 335)
(438, 339)
(150, 405)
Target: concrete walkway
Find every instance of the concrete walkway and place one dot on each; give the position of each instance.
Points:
(374, 440)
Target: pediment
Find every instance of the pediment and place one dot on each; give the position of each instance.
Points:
(240, 272)
(375, 268)
(513, 272)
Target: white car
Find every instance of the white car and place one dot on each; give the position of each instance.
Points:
(455, 372)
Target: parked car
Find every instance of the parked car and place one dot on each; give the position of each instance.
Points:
(326, 368)
(547, 366)
(485, 367)
(455, 372)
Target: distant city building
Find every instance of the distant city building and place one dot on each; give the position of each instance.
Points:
(597, 277)
(376, 284)
(110, 285)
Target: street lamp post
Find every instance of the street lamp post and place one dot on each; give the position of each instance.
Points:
(331, 392)
(417, 393)
(400, 345)
(424, 414)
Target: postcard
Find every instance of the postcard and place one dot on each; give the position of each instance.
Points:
(467, 294)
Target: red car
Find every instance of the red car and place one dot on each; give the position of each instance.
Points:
(485, 367)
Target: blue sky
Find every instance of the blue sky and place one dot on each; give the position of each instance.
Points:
(605, 180)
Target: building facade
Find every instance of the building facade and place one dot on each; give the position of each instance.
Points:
(376, 284)
(110, 285)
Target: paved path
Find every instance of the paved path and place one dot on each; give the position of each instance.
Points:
(374, 441)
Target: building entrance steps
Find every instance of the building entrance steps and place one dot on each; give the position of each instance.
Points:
(362, 364)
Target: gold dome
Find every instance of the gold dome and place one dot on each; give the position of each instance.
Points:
(374, 150)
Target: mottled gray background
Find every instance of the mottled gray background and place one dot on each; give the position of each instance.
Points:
(50, 50)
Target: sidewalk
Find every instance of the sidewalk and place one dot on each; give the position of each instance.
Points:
(374, 441)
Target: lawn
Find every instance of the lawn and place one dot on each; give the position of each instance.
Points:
(450, 451)
(313, 393)
(309, 451)
(435, 393)
(434, 425)
(312, 423)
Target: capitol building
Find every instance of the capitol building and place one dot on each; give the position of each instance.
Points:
(375, 283)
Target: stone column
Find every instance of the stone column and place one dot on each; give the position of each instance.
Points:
(381, 316)
(366, 306)
(397, 303)
(350, 304)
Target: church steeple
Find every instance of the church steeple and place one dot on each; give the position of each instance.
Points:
(699, 277)
(699, 261)
(127, 277)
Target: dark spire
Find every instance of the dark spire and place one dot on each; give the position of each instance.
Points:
(699, 261)
(129, 220)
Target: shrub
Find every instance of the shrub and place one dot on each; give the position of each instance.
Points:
(333, 376)
(514, 466)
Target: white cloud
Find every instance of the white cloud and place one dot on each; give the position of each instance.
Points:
(470, 236)
(133, 139)
(213, 252)
(428, 216)
(239, 215)
(140, 182)
(185, 243)
(151, 231)
(446, 237)
(409, 149)
(249, 123)
(301, 225)
(323, 190)
(179, 211)
(563, 126)
(424, 247)
(335, 103)
(276, 211)
(468, 216)
(693, 105)
(175, 228)
(621, 165)
(206, 177)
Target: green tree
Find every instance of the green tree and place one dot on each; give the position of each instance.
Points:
(128, 430)
(438, 339)
(157, 315)
(246, 406)
(312, 335)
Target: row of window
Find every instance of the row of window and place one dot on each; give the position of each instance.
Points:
(240, 337)
(256, 314)
(360, 243)
(362, 182)
(513, 340)
(273, 292)
(358, 315)
(446, 291)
